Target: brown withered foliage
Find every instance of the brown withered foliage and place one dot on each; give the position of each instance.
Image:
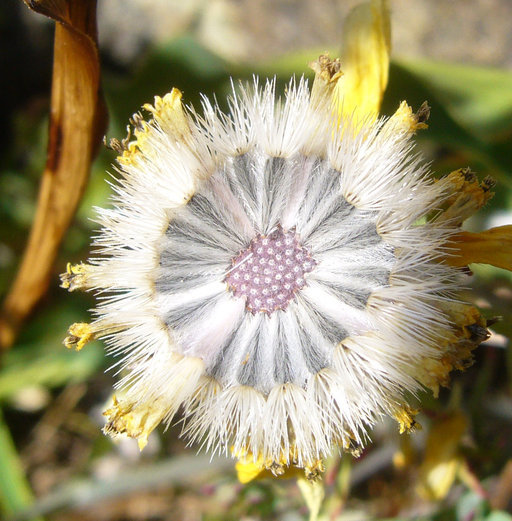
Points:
(77, 123)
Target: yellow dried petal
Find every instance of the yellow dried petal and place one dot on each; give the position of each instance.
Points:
(436, 374)
(134, 420)
(405, 120)
(314, 470)
(168, 114)
(76, 276)
(327, 74)
(82, 333)
(405, 418)
(365, 61)
(249, 468)
(468, 195)
(79, 334)
(468, 330)
(492, 246)
(130, 150)
(442, 459)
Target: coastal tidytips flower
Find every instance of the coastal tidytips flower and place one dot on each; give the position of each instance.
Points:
(284, 274)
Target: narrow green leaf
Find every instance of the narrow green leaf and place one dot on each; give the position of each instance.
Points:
(447, 128)
(15, 492)
(498, 515)
(479, 97)
(51, 369)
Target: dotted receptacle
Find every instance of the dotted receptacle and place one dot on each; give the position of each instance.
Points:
(270, 271)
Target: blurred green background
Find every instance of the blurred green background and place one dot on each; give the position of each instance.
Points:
(54, 461)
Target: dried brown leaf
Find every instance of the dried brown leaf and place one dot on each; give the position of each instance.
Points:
(77, 123)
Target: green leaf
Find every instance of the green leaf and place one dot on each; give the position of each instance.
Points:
(498, 515)
(480, 98)
(50, 370)
(40, 358)
(455, 126)
(15, 492)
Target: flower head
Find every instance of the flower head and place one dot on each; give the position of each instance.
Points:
(285, 273)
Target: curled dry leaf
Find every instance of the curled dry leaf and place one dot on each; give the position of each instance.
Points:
(77, 123)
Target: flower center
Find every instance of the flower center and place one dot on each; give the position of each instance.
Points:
(270, 271)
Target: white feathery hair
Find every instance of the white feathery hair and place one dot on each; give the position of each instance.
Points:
(290, 384)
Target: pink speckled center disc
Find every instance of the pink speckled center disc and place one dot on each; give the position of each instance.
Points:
(270, 271)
